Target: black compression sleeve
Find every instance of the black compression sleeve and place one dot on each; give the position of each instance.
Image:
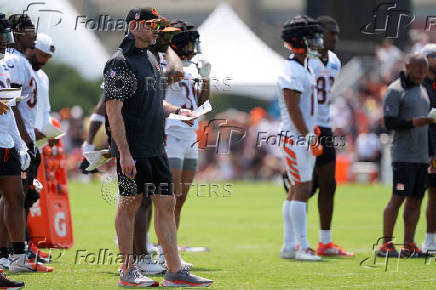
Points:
(394, 123)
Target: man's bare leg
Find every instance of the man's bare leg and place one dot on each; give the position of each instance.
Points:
(177, 180)
(140, 230)
(411, 216)
(165, 227)
(124, 224)
(187, 178)
(13, 215)
(390, 215)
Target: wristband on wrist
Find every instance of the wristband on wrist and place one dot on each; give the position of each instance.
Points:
(177, 111)
(97, 118)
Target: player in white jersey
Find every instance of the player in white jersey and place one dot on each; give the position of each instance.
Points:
(13, 159)
(22, 76)
(190, 93)
(326, 68)
(298, 110)
(39, 56)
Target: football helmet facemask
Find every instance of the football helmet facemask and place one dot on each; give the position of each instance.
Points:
(302, 34)
(187, 42)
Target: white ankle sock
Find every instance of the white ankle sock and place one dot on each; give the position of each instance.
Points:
(430, 238)
(288, 230)
(325, 236)
(299, 221)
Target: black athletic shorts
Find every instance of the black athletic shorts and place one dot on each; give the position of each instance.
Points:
(153, 176)
(9, 162)
(409, 179)
(326, 139)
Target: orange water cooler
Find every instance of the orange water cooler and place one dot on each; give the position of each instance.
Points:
(49, 220)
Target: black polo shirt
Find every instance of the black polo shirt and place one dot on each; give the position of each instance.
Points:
(132, 75)
(431, 92)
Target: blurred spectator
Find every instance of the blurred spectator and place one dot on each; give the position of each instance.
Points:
(389, 57)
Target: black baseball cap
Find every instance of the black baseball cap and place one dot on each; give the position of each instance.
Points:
(139, 14)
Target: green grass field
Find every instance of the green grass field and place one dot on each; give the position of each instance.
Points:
(244, 234)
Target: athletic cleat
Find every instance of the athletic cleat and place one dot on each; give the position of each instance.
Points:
(31, 256)
(388, 250)
(429, 248)
(134, 279)
(20, 264)
(149, 266)
(34, 248)
(152, 249)
(332, 249)
(307, 255)
(412, 251)
(183, 278)
(5, 283)
(5, 263)
(287, 254)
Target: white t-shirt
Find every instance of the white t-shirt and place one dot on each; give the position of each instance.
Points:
(325, 76)
(9, 134)
(43, 106)
(299, 78)
(21, 73)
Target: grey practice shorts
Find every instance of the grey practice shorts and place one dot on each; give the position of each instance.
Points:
(186, 164)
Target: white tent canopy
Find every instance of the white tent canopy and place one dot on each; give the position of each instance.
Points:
(241, 62)
(76, 46)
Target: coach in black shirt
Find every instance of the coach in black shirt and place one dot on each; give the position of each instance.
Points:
(429, 244)
(135, 109)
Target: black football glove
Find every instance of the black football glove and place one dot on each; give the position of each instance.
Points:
(85, 164)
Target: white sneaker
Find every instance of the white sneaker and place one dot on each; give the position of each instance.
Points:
(287, 254)
(163, 262)
(5, 263)
(149, 266)
(152, 249)
(19, 264)
(428, 248)
(161, 258)
(185, 264)
(307, 255)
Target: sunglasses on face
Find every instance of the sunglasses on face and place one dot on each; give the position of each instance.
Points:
(155, 24)
(433, 56)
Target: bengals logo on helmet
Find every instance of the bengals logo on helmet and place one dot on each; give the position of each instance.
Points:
(154, 12)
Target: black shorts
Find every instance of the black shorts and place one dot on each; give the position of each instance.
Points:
(9, 162)
(409, 179)
(153, 176)
(326, 139)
